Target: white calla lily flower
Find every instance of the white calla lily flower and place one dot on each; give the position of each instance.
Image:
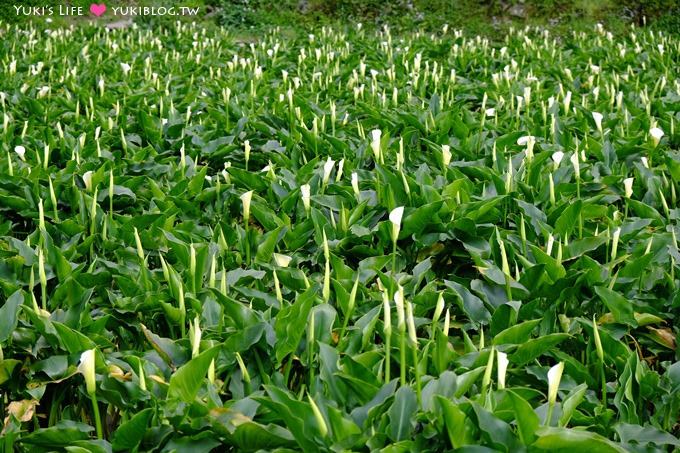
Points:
(557, 157)
(597, 117)
(20, 151)
(395, 217)
(87, 368)
(305, 190)
(503, 362)
(656, 134)
(87, 179)
(246, 198)
(628, 186)
(376, 135)
(554, 378)
(446, 155)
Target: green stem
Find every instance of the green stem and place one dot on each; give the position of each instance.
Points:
(508, 289)
(97, 417)
(182, 324)
(247, 245)
(394, 259)
(402, 357)
(604, 385)
(417, 374)
(311, 368)
(550, 412)
(388, 341)
(580, 217)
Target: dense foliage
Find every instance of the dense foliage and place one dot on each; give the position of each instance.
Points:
(346, 241)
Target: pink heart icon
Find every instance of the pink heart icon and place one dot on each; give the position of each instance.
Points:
(97, 10)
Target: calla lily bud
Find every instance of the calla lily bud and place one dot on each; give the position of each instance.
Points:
(246, 198)
(575, 162)
(138, 242)
(628, 187)
(87, 179)
(399, 303)
(505, 266)
(413, 338)
(387, 315)
(355, 185)
(305, 190)
(41, 269)
(447, 323)
(41, 215)
(395, 218)
(486, 379)
(438, 309)
(615, 242)
(446, 155)
(503, 362)
(142, 378)
(195, 338)
(529, 141)
(87, 368)
(327, 169)
(597, 117)
(598, 342)
(376, 134)
(323, 428)
(243, 368)
(246, 148)
(341, 165)
(554, 378)
(656, 134)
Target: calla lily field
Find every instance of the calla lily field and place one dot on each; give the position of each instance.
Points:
(347, 239)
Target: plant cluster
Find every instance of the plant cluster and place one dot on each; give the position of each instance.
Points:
(347, 241)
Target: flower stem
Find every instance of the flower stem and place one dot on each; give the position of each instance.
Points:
(394, 259)
(417, 374)
(604, 384)
(97, 417)
(388, 346)
(550, 412)
(402, 355)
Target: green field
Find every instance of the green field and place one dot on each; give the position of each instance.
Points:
(348, 239)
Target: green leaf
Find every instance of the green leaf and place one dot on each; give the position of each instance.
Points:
(570, 440)
(291, 323)
(454, 420)
(64, 433)
(265, 249)
(8, 314)
(186, 381)
(527, 420)
(621, 308)
(131, 433)
(471, 304)
(528, 351)
(571, 402)
(568, 220)
(516, 334)
(401, 414)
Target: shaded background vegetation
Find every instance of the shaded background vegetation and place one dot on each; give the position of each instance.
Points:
(476, 16)
(479, 16)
